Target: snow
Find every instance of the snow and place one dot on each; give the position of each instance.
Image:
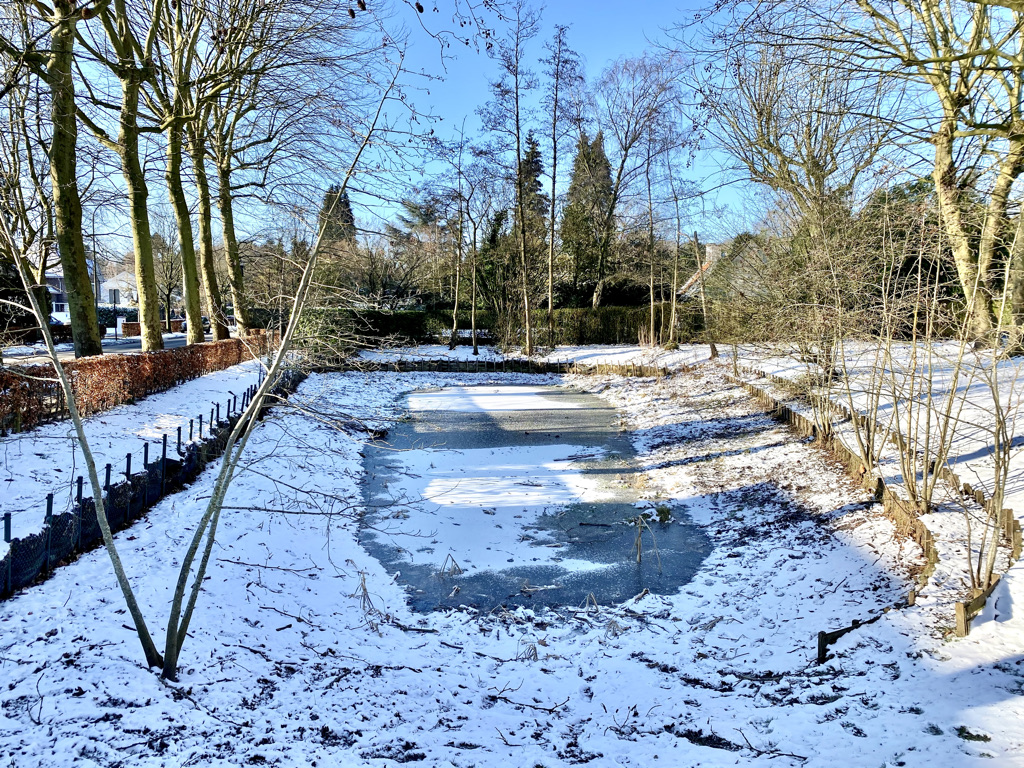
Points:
(479, 400)
(941, 378)
(429, 352)
(622, 354)
(35, 349)
(461, 494)
(48, 459)
(686, 355)
(303, 651)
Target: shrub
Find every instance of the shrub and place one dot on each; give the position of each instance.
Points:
(108, 315)
(30, 395)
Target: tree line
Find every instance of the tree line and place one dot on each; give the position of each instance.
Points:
(234, 110)
(870, 128)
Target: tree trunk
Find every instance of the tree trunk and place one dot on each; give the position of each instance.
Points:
(189, 274)
(454, 340)
(138, 208)
(979, 305)
(214, 304)
(703, 299)
(551, 222)
(650, 243)
(995, 213)
(67, 204)
(472, 302)
(231, 254)
(598, 292)
(675, 286)
(521, 205)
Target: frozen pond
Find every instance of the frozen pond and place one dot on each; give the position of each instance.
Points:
(518, 495)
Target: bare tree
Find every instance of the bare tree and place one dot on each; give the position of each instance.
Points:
(128, 55)
(630, 95)
(565, 76)
(506, 116)
(55, 66)
(168, 267)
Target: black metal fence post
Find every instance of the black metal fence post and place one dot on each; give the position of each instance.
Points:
(7, 527)
(48, 520)
(78, 516)
(179, 439)
(200, 426)
(106, 483)
(191, 422)
(163, 468)
(218, 412)
(128, 467)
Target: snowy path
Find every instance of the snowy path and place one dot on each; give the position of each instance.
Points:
(48, 459)
(303, 648)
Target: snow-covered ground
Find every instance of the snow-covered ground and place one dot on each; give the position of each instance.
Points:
(48, 459)
(429, 352)
(624, 354)
(931, 389)
(303, 651)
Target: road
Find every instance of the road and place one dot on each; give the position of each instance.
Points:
(110, 346)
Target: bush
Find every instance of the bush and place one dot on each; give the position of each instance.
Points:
(30, 395)
(330, 332)
(615, 325)
(108, 315)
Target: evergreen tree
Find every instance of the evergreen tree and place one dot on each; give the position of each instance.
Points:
(336, 215)
(535, 202)
(587, 202)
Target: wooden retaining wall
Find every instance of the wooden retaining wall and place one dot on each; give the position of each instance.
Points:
(902, 513)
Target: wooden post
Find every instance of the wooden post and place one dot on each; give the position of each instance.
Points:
(962, 626)
(822, 647)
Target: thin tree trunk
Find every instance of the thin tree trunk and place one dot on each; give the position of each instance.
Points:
(703, 299)
(207, 267)
(153, 658)
(650, 241)
(675, 282)
(995, 214)
(181, 615)
(454, 340)
(138, 207)
(189, 274)
(472, 303)
(521, 205)
(1017, 274)
(231, 254)
(551, 219)
(67, 203)
(979, 305)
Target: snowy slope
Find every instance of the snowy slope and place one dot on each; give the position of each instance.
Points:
(48, 459)
(303, 651)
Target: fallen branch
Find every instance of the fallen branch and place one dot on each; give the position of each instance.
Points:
(549, 710)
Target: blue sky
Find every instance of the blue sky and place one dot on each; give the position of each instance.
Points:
(601, 31)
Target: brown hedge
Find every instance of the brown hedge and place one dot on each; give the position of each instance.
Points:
(32, 395)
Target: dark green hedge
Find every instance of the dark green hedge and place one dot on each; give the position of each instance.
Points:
(604, 325)
(613, 325)
(108, 315)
